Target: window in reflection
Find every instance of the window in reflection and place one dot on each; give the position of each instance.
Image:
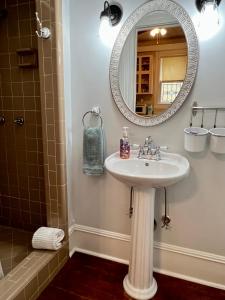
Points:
(169, 91)
(172, 74)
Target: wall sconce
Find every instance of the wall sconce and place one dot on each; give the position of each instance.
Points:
(202, 3)
(208, 23)
(109, 18)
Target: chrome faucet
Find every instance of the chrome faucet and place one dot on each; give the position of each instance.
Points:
(149, 150)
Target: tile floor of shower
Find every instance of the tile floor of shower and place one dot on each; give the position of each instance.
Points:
(15, 245)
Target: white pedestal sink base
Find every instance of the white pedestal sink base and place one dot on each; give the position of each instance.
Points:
(171, 168)
(141, 294)
(139, 283)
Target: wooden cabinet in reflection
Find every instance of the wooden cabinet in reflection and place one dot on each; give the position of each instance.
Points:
(144, 83)
(144, 74)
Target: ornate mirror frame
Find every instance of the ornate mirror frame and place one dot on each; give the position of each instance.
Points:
(183, 18)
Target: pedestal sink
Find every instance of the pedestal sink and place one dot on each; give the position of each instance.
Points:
(145, 176)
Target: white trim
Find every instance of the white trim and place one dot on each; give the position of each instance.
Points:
(157, 245)
(104, 256)
(101, 241)
(73, 250)
(100, 232)
(200, 267)
(189, 278)
(190, 252)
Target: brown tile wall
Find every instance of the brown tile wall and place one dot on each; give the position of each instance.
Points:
(22, 186)
(53, 114)
(33, 274)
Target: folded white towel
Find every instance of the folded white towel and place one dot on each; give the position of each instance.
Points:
(48, 238)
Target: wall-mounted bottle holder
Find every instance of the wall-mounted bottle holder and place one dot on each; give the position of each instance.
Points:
(195, 139)
(217, 140)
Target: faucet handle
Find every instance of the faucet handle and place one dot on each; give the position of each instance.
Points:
(158, 154)
(146, 141)
(150, 140)
(163, 148)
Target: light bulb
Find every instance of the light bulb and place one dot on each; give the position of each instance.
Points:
(209, 12)
(154, 32)
(104, 28)
(163, 31)
(107, 32)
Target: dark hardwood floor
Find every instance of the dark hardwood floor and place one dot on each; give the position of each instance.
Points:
(86, 277)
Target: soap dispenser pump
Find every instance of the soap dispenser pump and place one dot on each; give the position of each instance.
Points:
(124, 145)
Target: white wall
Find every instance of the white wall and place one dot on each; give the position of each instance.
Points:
(196, 205)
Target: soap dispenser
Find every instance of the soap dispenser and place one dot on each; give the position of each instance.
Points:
(124, 145)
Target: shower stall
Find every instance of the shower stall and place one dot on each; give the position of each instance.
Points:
(32, 160)
(22, 198)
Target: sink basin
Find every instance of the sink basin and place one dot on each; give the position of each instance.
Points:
(150, 173)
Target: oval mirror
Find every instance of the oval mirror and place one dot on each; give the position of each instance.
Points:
(154, 62)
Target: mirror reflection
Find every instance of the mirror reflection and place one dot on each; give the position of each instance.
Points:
(153, 64)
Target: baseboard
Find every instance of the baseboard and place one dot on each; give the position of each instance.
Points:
(184, 263)
(113, 244)
(101, 255)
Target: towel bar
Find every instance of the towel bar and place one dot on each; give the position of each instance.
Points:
(195, 108)
(93, 113)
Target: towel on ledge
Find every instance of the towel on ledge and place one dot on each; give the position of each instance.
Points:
(93, 151)
(48, 238)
